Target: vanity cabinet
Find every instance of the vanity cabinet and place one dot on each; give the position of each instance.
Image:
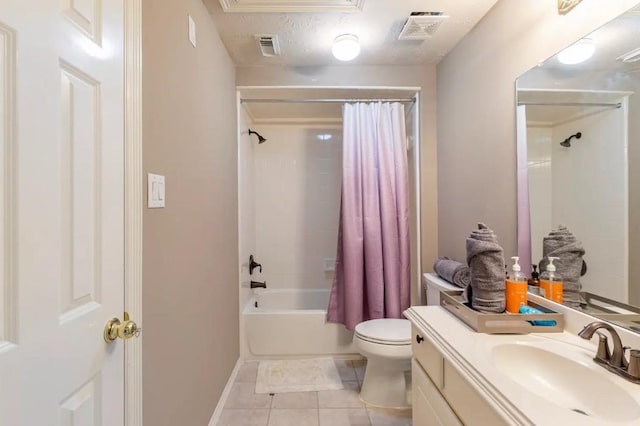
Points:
(441, 395)
(429, 406)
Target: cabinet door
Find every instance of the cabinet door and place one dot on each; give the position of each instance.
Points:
(428, 356)
(470, 407)
(429, 407)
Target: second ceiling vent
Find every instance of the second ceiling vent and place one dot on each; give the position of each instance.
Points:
(421, 25)
(631, 56)
(268, 44)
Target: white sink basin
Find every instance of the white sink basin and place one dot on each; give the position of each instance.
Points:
(565, 382)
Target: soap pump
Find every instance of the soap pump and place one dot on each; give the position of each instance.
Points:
(534, 281)
(516, 288)
(551, 283)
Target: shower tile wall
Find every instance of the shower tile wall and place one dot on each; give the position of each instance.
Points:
(297, 202)
(582, 199)
(539, 167)
(564, 184)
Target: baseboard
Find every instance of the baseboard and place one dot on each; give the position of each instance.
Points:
(225, 394)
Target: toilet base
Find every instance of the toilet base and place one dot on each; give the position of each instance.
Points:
(385, 384)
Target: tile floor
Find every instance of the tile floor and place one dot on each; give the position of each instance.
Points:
(324, 408)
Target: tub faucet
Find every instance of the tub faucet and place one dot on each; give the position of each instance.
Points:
(614, 358)
(258, 284)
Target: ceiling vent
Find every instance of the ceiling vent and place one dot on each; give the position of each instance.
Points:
(268, 44)
(632, 56)
(421, 25)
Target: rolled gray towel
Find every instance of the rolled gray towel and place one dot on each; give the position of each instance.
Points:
(453, 271)
(486, 262)
(561, 243)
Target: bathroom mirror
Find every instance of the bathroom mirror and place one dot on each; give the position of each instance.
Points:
(579, 162)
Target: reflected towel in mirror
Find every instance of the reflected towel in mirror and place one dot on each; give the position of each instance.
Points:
(561, 243)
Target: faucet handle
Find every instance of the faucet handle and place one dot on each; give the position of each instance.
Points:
(625, 363)
(253, 265)
(603, 353)
(634, 363)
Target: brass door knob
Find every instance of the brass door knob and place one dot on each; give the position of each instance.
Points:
(123, 329)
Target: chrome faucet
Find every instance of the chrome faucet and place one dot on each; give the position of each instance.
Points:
(615, 360)
(616, 357)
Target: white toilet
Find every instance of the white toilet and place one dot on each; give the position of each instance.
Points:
(386, 343)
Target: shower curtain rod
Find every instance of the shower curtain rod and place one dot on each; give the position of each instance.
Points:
(585, 104)
(325, 101)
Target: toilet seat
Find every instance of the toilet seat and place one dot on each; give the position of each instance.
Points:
(385, 331)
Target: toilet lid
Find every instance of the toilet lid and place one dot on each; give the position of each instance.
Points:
(385, 330)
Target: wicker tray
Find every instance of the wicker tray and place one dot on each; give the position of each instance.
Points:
(500, 323)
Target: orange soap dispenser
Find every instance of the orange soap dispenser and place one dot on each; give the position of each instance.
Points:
(516, 288)
(551, 283)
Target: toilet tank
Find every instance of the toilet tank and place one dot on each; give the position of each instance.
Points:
(433, 285)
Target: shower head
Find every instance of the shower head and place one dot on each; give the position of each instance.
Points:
(260, 138)
(567, 142)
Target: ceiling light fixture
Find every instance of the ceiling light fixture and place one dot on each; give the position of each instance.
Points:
(564, 6)
(577, 52)
(346, 47)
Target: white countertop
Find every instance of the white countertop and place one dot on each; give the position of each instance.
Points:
(469, 352)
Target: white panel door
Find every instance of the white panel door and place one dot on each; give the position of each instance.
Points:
(61, 221)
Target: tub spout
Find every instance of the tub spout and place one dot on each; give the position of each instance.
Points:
(258, 284)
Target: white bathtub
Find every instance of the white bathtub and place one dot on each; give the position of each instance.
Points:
(292, 323)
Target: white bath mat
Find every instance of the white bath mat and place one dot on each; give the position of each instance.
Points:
(297, 375)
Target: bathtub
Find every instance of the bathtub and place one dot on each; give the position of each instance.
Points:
(282, 323)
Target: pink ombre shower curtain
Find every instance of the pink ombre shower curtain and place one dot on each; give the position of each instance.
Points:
(372, 265)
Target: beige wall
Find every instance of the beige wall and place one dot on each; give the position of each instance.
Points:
(190, 291)
(407, 76)
(476, 111)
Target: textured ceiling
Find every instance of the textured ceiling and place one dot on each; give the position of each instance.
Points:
(306, 38)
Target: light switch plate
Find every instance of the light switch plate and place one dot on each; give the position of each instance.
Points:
(155, 191)
(192, 31)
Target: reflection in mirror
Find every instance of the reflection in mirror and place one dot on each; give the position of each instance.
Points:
(579, 163)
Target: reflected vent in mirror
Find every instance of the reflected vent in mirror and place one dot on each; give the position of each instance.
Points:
(632, 56)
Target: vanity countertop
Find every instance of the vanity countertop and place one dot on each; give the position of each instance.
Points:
(471, 354)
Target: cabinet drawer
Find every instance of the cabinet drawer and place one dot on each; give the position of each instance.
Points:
(428, 357)
(429, 407)
(470, 407)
